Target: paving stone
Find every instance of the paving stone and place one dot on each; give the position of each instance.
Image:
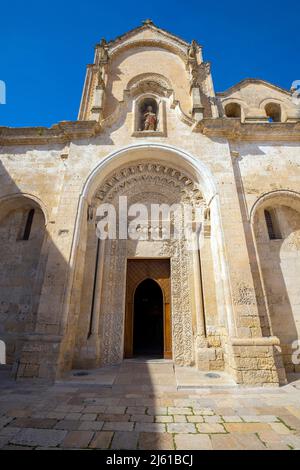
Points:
(75, 416)
(95, 409)
(210, 428)
(142, 418)
(247, 427)
(88, 417)
(164, 419)
(179, 411)
(9, 431)
(157, 410)
(280, 428)
(91, 426)
(181, 428)
(112, 417)
(17, 413)
(118, 426)
(68, 425)
(4, 440)
(76, 408)
(236, 442)
(56, 415)
(150, 427)
(203, 411)
(260, 419)
(125, 440)
(33, 423)
(116, 410)
(179, 418)
(77, 439)
(39, 437)
(4, 420)
(291, 440)
(101, 440)
(192, 442)
(291, 421)
(195, 419)
(155, 441)
(232, 419)
(213, 419)
(136, 410)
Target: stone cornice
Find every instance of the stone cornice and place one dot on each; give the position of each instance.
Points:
(255, 81)
(234, 129)
(60, 133)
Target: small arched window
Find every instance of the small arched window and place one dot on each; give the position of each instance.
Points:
(28, 225)
(273, 112)
(233, 110)
(272, 224)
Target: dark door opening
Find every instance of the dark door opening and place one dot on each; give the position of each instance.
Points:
(148, 325)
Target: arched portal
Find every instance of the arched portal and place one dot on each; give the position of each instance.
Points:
(144, 174)
(148, 324)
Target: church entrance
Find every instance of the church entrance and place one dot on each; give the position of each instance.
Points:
(148, 329)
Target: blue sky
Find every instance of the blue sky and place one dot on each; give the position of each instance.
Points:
(45, 46)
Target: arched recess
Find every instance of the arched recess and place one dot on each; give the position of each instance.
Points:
(22, 239)
(183, 172)
(279, 263)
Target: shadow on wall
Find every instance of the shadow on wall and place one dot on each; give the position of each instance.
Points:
(29, 300)
(277, 232)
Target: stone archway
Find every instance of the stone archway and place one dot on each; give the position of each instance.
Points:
(144, 182)
(166, 175)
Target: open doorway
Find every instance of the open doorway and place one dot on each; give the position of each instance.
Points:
(148, 326)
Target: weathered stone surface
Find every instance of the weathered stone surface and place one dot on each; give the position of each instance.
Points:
(193, 442)
(125, 440)
(77, 439)
(150, 427)
(101, 440)
(210, 428)
(153, 440)
(181, 428)
(39, 437)
(118, 426)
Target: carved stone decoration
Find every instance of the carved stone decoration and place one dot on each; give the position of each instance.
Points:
(154, 173)
(103, 51)
(147, 183)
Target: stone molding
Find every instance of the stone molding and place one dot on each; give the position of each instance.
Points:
(234, 129)
(60, 133)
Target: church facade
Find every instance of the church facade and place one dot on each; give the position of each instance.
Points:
(153, 132)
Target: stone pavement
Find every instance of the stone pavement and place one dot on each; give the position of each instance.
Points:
(144, 407)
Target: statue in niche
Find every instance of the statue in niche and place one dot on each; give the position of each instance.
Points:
(150, 119)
